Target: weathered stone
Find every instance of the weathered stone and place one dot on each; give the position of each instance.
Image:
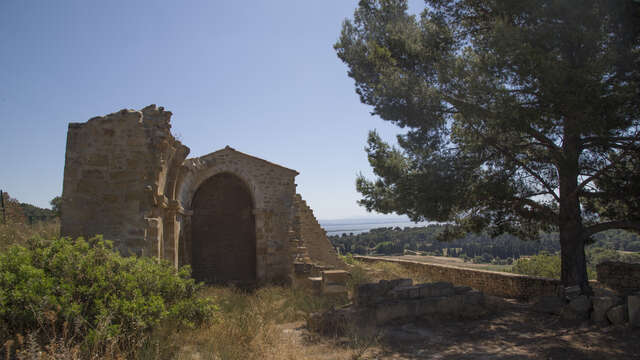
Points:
(602, 304)
(380, 303)
(549, 305)
(581, 304)
(622, 277)
(572, 292)
(577, 309)
(459, 290)
(367, 294)
(126, 177)
(437, 289)
(617, 315)
(315, 284)
(494, 283)
(400, 282)
(633, 303)
(339, 277)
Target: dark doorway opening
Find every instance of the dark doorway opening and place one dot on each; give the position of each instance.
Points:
(223, 246)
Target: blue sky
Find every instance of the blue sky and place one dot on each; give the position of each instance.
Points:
(260, 76)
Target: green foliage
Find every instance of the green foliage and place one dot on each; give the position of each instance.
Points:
(56, 206)
(426, 240)
(521, 117)
(542, 265)
(106, 297)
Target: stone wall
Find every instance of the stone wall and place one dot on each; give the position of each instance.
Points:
(118, 169)
(490, 282)
(386, 301)
(313, 237)
(126, 178)
(272, 188)
(622, 277)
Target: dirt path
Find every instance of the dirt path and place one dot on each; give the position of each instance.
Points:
(514, 331)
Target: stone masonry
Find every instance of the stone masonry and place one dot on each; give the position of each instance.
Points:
(312, 236)
(226, 213)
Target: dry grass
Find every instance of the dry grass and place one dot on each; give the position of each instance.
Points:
(18, 233)
(248, 325)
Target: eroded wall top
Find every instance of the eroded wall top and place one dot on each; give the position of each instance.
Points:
(117, 176)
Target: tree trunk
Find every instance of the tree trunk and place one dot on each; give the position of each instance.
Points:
(572, 239)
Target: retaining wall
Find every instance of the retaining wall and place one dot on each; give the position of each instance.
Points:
(507, 285)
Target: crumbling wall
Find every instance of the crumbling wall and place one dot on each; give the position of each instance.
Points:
(622, 277)
(312, 236)
(119, 179)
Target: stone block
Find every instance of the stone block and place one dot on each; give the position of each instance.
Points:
(472, 298)
(301, 268)
(367, 294)
(389, 311)
(335, 277)
(581, 304)
(400, 282)
(437, 289)
(633, 304)
(334, 289)
(401, 292)
(617, 315)
(602, 304)
(315, 283)
(460, 290)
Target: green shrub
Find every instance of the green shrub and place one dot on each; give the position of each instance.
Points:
(542, 265)
(104, 298)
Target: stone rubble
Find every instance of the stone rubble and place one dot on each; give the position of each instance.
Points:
(386, 301)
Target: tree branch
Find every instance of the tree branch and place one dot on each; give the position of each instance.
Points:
(622, 224)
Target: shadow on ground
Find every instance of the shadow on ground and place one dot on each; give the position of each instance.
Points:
(511, 331)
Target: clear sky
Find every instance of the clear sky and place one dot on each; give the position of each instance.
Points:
(259, 76)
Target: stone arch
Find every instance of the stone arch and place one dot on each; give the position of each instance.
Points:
(200, 171)
(223, 245)
(272, 188)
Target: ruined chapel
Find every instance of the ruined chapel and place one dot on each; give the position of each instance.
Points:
(233, 217)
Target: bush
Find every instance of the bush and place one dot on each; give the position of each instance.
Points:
(87, 288)
(542, 265)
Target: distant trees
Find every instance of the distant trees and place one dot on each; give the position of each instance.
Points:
(521, 117)
(482, 248)
(56, 205)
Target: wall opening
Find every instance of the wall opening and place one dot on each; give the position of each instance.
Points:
(223, 231)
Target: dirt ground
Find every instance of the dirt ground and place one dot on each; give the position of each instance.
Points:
(511, 331)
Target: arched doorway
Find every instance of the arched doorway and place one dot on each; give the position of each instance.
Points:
(223, 232)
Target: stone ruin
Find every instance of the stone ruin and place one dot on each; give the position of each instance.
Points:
(615, 299)
(386, 301)
(233, 217)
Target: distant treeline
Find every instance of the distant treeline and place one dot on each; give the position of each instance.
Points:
(13, 211)
(424, 239)
(33, 213)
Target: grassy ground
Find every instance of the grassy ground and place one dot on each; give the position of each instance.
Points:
(269, 324)
(249, 325)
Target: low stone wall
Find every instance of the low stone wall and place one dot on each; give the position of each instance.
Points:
(380, 303)
(622, 277)
(489, 282)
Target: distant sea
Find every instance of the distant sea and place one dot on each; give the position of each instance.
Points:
(357, 226)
